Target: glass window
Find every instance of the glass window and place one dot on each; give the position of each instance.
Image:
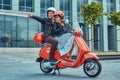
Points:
(22, 29)
(33, 29)
(110, 1)
(0, 1)
(79, 2)
(6, 7)
(0, 6)
(22, 3)
(44, 5)
(7, 31)
(10, 30)
(18, 31)
(26, 5)
(2, 44)
(98, 1)
(110, 6)
(6, 4)
(29, 5)
(66, 6)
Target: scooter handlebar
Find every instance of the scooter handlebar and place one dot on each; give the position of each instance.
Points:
(76, 33)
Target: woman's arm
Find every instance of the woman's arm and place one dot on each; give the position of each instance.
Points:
(58, 29)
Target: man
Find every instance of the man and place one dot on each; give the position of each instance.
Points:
(47, 28)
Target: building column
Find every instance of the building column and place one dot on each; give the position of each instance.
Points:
(118, 38)
(57, 4)
(89, 37)
(37, 7)
(104, 29)
(90, 32)
(117, 5)
(15, 5)
(74, 14)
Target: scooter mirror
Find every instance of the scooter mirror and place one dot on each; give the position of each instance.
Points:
(66, 21)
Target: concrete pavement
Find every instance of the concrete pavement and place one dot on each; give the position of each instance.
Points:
(23, 67)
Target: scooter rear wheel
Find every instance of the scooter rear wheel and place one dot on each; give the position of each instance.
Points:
(43, 68)
(92, 67)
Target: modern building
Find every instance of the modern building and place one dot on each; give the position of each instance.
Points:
(17, 31)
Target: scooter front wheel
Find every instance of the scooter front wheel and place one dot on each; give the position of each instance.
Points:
(43, 66)
(92, 67)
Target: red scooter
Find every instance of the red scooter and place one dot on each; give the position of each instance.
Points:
(90, 61)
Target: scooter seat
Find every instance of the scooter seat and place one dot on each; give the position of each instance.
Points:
(45, 44)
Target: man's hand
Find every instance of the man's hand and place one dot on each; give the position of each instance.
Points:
(30, 15)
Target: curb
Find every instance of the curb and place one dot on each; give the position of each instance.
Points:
(108, 56)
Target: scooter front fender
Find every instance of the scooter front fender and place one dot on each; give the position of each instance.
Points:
(90, 55)
(87, 56)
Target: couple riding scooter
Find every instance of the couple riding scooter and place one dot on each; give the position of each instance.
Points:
(51, 27)
(90, 61)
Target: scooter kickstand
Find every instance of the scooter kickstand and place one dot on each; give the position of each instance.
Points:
(56, 69)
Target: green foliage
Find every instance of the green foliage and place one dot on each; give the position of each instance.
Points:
(92, 12)
(115, 18)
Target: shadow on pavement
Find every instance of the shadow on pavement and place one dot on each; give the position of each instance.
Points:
(58, 77)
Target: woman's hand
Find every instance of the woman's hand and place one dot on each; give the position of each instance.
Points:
(30, 15)
(63, 24)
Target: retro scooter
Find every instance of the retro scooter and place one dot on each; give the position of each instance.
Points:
(90, 61)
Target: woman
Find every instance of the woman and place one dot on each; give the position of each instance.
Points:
(60, 27)
(62, 32)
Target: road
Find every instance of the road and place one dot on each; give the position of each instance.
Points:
(23, 67)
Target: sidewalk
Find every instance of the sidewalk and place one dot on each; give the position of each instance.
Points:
(101, 55)
(107, 55)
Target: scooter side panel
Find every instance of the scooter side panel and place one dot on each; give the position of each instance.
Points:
(44, 52)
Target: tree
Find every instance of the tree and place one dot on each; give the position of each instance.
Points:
(92, 13)
(115, 18)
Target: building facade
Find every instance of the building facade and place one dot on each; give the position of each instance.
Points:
(16, 30)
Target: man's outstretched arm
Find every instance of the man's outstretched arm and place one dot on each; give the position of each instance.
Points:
(36, 18)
